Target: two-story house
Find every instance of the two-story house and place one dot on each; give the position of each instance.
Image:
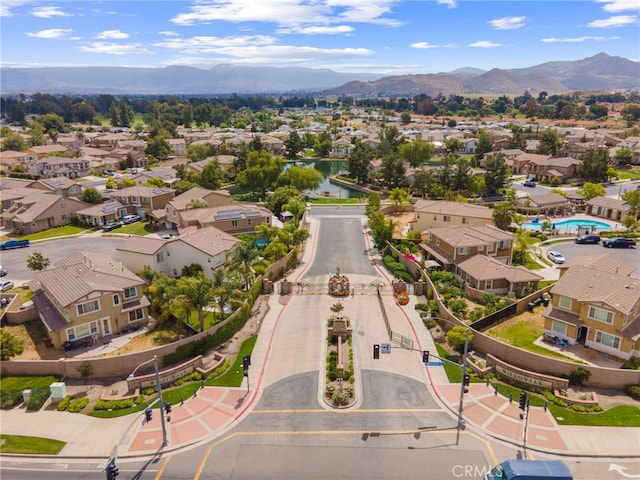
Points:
(142, 200)
(450, 245)
(60, 167)
(86, 297)
(11, 158)
(549, 169)
(598, 308)
(61, 186)
(232, 219)
(442, 213)
(207, 247)
(190, 199)
(40, 211)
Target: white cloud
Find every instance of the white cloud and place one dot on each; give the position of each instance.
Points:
(448, 3)
(615, 21)
(426, 45)
(115, 48)
(168, 33)
(614, 6)
(290, 12)
(485, 44)
(508, 23)
(48, 12)
(7, 5)
(577, 39)
(112, 34)
(268, 55)
(210, 44)
(316, 30)
(52, 33)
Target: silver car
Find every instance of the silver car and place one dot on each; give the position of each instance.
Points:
(555, 257)
(6, 285)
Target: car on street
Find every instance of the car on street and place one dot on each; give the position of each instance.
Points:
(529, 183)
(619, 242)
(165, 236)
(590, 238)
(3, 271)
(555, 257)
(6, 285)
(131, 219)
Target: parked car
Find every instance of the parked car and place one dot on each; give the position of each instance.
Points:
(6, 285)
(619, 242)
(131, 218)
(590, 238)
(107, 227)
(3, 271)
(555, 257)
(529, 183)
(14, 244)
(110, 173)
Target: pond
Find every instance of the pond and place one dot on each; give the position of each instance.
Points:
(327, 168)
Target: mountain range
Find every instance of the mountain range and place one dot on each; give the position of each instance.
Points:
(600, 72)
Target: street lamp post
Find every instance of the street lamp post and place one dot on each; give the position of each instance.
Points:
(464, 371)
(159, 386)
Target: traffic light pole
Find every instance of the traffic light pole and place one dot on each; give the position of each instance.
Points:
(462, 385)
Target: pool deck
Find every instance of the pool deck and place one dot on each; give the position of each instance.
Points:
(575, 219)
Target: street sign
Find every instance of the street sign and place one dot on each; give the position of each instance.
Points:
(435, 364)
(385, 348)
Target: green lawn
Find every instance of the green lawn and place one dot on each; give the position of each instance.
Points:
(334, 201)
(30, 445)
(62, 231)
(139, 228)
(232, 378)
(522, 334)
(620, 416)
(24, 383)
(454, 374)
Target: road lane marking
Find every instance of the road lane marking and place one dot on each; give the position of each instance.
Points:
(162, 468)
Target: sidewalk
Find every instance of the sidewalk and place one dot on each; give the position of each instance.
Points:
(211, 411)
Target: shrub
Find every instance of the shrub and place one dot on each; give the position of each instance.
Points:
(10, 398)
(78, 404)
(64, 403)
(429, 322)
(404, 275)
(114, 404)
(633, 391)
(422, 306)
(39, 395)
(579, 376)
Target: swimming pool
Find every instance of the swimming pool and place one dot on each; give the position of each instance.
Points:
(570, 225)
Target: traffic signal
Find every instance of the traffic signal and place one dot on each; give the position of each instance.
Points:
(425, 356)
(167, 408)
(465, 379)
(148, 413)
(246, 361)
(112, 470)
(523, 400)
(376, 351)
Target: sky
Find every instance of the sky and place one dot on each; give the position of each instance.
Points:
(366, 36)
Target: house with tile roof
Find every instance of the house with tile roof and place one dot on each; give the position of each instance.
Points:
(11, 158)
(549, 204)
(488, 274)
(141, 200)
(62, 186)
(88, 297)
(101, 213)
(71, 167)
(207, 247)
(40, 211)
(610, 208)
(602, 262)
(450, 245)
(597, 308)
(233, 219)
(186, 200)
(441, 213)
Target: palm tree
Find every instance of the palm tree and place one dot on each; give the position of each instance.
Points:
(242, 257)
(226, 288)
(267, 231)
(503, 214)
(522, 246)
(296, 207)
(398, 195)
(276, 250)
(198, 291)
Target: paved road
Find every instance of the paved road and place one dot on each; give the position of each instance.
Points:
(15, 261)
